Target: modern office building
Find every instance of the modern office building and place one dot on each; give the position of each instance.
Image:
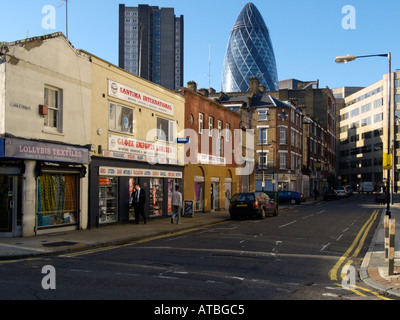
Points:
(341, 93)
(151, 44)
(249, 54)
(364, 134)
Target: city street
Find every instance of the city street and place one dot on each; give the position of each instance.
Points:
(299, 254)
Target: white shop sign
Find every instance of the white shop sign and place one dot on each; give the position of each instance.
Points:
(126, 172)
(131, 95)
(141, 148)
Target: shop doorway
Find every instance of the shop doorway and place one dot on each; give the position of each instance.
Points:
(10, 202)
(228, 193)
(199, 193)
(214, 196)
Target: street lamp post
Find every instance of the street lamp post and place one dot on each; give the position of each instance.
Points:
(273, 147)
(348, 58)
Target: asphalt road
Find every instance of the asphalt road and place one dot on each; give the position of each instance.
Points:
(297, 255)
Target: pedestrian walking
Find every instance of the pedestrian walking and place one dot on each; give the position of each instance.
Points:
(176, 205)
(316, 193)
(139, 201)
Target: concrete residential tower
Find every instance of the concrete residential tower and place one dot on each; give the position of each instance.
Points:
(151, 44)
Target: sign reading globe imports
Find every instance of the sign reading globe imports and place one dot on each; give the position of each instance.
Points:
(131, 95)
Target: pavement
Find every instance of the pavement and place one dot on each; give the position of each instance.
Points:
(375, 267)
(373, 271)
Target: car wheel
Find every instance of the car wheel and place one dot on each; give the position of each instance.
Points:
(293, 201)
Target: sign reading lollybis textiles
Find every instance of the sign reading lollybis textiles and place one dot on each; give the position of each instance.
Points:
(32, 150)
(125, 93)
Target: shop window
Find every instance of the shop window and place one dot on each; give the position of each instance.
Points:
(108, 200)
(52, 99)
(120, 119)
(171, 189)
(156, 197)
(57, 199)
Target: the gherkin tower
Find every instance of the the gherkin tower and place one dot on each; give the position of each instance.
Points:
(249, 54)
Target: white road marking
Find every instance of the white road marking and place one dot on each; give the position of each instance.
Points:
(288, 224)
(324, 247)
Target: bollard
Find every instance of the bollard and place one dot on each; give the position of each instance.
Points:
(386, 228)
(392, 232)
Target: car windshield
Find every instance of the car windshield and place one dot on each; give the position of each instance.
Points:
(243, 197)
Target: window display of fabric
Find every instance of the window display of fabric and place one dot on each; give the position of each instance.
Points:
(70, 197)
(59, 199)
(70, 193)
(47, 194)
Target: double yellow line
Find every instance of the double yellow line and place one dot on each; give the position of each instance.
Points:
(360, 239)
(357, 244)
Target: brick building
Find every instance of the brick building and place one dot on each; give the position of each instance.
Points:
(211, 175)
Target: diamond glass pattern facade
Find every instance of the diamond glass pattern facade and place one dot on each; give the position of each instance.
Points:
(249, 54)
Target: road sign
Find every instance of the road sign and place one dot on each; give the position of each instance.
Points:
(387, 161)
(182, 140)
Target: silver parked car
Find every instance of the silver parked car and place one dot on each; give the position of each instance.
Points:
(349, 190)
(342, 192)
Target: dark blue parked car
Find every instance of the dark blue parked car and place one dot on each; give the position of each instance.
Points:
(290, 197)
(252, 204)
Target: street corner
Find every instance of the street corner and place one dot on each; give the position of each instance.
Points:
(381, 279)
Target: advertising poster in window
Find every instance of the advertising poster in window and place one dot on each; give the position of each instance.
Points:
(188, 208)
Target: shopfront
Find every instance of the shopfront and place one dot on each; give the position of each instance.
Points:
(210, 187)
(44, 182)
(199, 193)
(10, 198)
(111, 189)
(57, 197)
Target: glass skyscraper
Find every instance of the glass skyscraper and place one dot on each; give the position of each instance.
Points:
(249, 54)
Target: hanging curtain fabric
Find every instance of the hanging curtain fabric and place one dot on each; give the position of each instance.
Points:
(59, 199)
(47, 189)
(40, 209)
(47, 193)
(70, 196)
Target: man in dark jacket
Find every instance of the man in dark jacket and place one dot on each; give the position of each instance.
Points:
(139, 201)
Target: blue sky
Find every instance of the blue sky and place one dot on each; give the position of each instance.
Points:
(306, 35)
